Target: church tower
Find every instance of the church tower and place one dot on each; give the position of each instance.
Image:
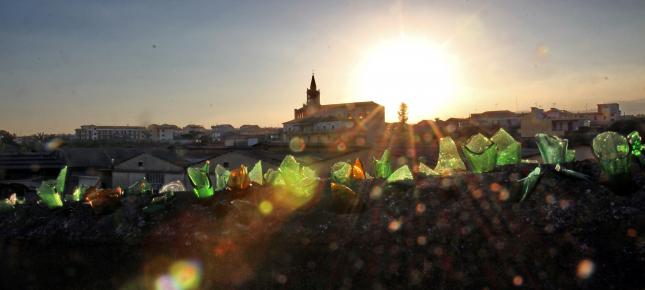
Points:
(313, 94)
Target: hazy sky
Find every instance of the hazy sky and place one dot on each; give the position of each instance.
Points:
(67, 63)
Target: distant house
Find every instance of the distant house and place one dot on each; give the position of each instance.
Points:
(554, 122)
(354, 124)
(219, 132)
(93, 132)
(604, 116)
(164, 132)
(502, 119)
(158, 168)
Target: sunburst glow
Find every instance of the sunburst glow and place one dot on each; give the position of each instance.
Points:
(411, 70)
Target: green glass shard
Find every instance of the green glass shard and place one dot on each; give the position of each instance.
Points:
(60, 180)
(612, 151)
(635, 141)
(382, 167)
(173, 186)
(552, 148)
(427, 171)
(509, 151)
(401, 174)
(570, 155)
(529, 182)
(256, 173)
(341, 172)
(299, 180)
(481, 153)
(200, 181)
(273, 177)
(77, 194)
(141, 186)
(48, 195)
(221, 177)
(449, 159)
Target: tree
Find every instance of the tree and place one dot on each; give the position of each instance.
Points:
(403, 114)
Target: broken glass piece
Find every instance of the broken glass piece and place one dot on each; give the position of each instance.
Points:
(612, 151)
(77, 194)
(343, 198)
(481, 153)
(508, 149)
(449, 159)
(427, 171)
(239, 179)
(341, 172)
(635, 141)
(552, 148)
(382, 167)
(358, 172)
(529, 182)
(60, 180)
(173, 186)
(299, 180)
(255, 175)
(221, 177)
(571, 173)
(101, 199)
(50, 191)
(401, 174)
(10, 202)
(141, 186)
(273, 177)
(570, 155)
(200, 181)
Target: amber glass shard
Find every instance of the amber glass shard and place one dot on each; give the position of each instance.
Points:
(343, 198)
(239, 179)
(358, 172)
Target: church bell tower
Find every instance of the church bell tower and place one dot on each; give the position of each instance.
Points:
(313, 94)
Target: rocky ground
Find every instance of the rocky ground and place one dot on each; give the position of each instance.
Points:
(468, 231)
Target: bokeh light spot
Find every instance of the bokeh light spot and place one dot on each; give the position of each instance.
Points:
(265, 207)
(585, 269)
(297, 144)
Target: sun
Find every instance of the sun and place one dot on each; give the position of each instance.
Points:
(411, 70)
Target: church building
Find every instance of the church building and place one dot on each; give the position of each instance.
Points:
(352, 124)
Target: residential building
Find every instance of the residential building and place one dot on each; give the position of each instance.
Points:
(604, 116)
(218, 132)
(502, 119)
(554, 122)
(194, 129)
(164, 132)
(353, 124)
(93, 132)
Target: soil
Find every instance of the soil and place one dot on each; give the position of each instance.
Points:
(467, 231)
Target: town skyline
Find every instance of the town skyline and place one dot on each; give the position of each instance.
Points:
(236, 63)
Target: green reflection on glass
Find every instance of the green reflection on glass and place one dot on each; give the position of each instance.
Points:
(382, 167)
(449, 159)
(552, 148)
(480, 153)
(612, 151)
(508, 149)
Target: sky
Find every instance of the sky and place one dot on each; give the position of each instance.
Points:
(66, 63)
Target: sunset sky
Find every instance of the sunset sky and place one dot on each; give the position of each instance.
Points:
(67, 63)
